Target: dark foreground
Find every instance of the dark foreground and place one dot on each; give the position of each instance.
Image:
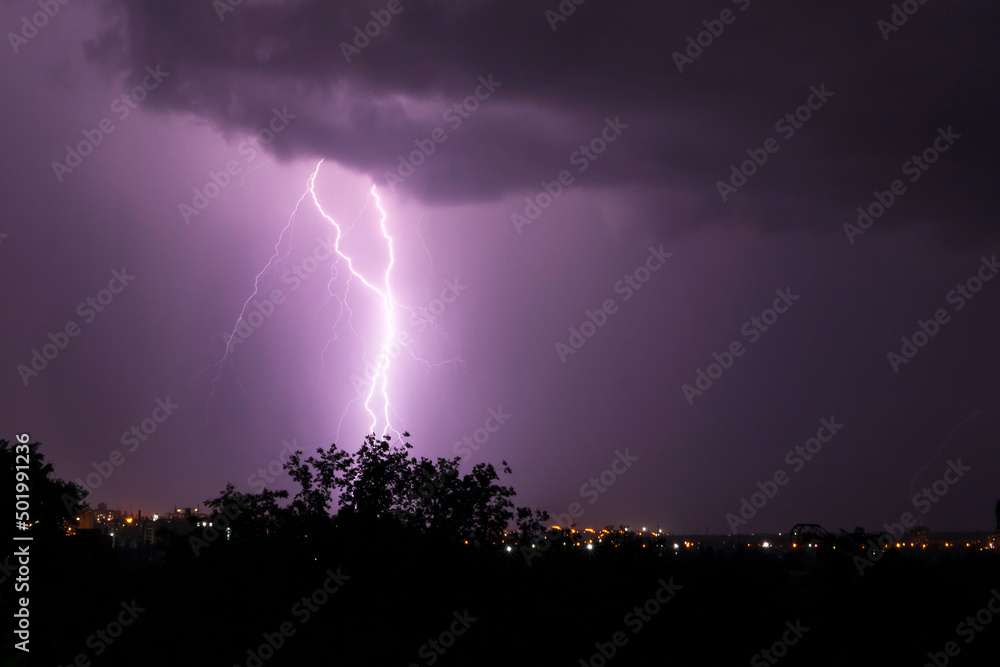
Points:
(376, 598)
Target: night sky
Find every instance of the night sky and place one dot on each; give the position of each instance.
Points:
(583, 208)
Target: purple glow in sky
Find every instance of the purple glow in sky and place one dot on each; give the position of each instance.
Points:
(653, 233)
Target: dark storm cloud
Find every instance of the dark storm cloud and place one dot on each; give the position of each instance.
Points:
(606, 59)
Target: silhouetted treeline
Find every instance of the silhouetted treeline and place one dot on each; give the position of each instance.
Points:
(396, 577)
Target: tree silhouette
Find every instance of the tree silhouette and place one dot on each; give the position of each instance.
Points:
(53, 501)
(375, 479)
(251, 516)
(381, 483)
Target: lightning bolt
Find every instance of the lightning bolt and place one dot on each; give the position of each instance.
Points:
(230, 335)
(376, 400)
(383, 294)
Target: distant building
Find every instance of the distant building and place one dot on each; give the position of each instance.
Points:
(86, 520)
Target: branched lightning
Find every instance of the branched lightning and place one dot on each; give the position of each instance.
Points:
(383, 294)
(229, 335)
(376, 398)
